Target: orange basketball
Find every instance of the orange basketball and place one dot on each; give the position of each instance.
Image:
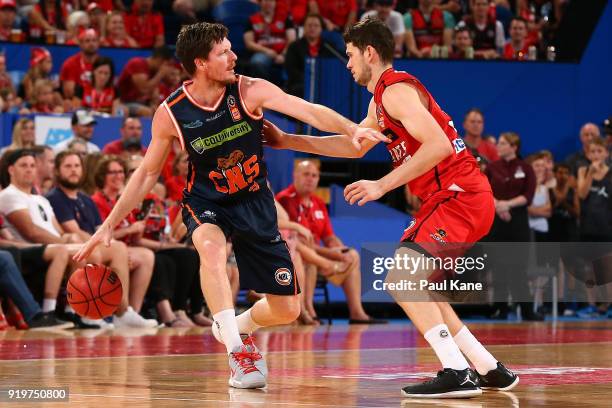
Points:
(94, 291)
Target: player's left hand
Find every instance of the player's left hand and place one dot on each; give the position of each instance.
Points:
(273, 136)
(362, 191)
(361, 133)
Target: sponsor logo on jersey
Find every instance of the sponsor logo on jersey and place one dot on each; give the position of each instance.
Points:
(193, 125)
(439, 235)
(216, 116)
(235, 173)
(412, 224)
(200, 145)
(283, 276)
(459, 145)
(231, 104)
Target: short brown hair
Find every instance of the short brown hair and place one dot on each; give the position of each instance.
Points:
(102, 168)
(376, 34)
(513, 138)
(196, 41)
(61, 156)
(598, 141)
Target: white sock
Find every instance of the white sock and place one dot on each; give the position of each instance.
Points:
(475, 352)
(246, 324)
(448, 353)
(228, 329)
(68, 309)
(49, 305)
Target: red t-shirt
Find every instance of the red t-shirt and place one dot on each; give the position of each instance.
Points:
(487, 150)
(144, 28)
(174, 187)
(116, 147)
(313, 216)
(153, 211)
(76, 69)
(511, 54)
(127, 90)
(105, 206)
(337, 11)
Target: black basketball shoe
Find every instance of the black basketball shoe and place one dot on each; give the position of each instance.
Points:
(448, 383)
(499, 379)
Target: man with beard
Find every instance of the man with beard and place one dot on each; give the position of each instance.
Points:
(76, 70)
(78, 214)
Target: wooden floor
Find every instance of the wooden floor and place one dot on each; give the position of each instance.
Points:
(566, 365)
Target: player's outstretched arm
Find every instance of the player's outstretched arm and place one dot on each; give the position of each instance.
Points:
(141, 182)
(402, 102)
(261, 94)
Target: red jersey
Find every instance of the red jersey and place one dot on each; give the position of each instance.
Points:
(458, 172)
(512, 54)
(76, 69)
(93, 99)
(144, 29)
(127, 90)
(313, 216)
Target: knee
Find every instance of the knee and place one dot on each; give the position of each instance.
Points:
(288, 310)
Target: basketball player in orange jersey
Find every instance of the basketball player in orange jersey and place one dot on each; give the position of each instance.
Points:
(457, 207)
(218, 119)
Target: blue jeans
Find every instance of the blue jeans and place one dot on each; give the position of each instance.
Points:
(13, 286)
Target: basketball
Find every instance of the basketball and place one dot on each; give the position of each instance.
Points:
(94, 291)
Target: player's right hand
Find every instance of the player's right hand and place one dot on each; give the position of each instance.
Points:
(103, 235)
(273, 136)
(362, 133)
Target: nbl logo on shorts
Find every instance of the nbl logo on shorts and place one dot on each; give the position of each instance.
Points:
(283, 276)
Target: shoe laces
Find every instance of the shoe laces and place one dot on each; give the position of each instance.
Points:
(248, 341)
(433, 380)
(245, 360)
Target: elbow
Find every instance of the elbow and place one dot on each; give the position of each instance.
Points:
(444, 150)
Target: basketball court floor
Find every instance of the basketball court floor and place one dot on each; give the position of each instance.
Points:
(564, 365)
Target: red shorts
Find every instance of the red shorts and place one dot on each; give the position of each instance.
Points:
(450, 217)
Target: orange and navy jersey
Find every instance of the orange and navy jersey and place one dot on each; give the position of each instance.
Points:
(224, 143)
(458, 172)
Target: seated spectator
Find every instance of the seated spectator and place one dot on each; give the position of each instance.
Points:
(145, 25)
(77, 23)
(5, 79)
(13, 287)
(462, 44)
(337, 262)
(383, 10)
(43, 100)
(41, 64)
(267, 36)
(48, 16)
(171, 82)
(8, 22)
(177, 183)
(517, 47)
(139, 81)
(487, 32)
(338, 15)
(116, 33)
(99, 95)
(427, 26)
(78, 214)
(83, 124)
(473, 124)
(588, 133)
(110, 176)
(45, 160)
(76, 70)
(310, 45)
(97, 18)
(79, 146)
(130, 142)
(24, 136)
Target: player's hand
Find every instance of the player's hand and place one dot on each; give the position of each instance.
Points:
(273, 136)
(362, 191)
(305, 233)
(103, 235)
(361, 133)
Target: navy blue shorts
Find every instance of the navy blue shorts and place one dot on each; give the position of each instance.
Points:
(262, 256)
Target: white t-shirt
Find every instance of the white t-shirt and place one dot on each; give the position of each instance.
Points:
(395, 21)
(12, 199)
(540, 198)
(63, 145)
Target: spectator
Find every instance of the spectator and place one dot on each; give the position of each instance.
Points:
(13, 286)
(171, 82)
(24, 136)
(427, 26)
(5, 79)
(487, 32)
(513, 183)
(130, 141)
(549, 164)
(383, 10)
(588, 133)
(310, 45)
(78, 22)
(473, 124)
(145, 25)
(45, 161)
(540, 208)
(41, 64)
(517, 47)
(462, 44)
(99, 95)
(110, 179)
(43, 99)
(78, 214)
(116, 33)
(177, 183)
(97, 18)
(76, 70)
(565, 207)
(338, 15)
(8, 21)
(83, 124)
(140, 80)
(297, 9)
(337, 262)
(268, 35)
(48, 16)
(607, 126)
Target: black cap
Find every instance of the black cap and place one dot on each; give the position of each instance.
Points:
(83, 117)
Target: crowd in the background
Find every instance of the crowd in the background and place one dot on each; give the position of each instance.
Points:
(276, 40)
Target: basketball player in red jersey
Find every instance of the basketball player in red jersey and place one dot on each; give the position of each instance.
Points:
(457, 207)
(218, 119)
